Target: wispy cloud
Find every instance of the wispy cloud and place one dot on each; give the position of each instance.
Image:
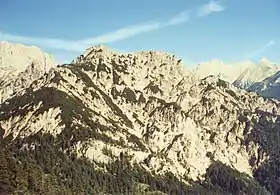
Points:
(123, 33)
(211, 7)
(262, 49)
(117, 35)
(180, 18)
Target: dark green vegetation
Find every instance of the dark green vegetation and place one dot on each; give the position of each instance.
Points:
(36, 165)
(44, 169)
(231, 181)
(267, 134)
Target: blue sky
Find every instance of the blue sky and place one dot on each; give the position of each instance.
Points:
(196, 30)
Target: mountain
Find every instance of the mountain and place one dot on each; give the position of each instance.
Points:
(137, 123)
(259, 77)
(20, 56)
(19, 66)
(269, 87)
(256, 73)
(225, 71)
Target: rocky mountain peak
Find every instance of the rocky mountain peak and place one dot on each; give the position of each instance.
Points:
(20, 65)
(142, 70)
(265, 61)
(256, 73)
(20, 56)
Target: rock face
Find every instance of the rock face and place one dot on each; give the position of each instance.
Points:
(144, 117)
(19, 66)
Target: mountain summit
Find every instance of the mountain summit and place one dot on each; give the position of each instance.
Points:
(19, 66)
(137, 123)
(256, 73)
(20, 57)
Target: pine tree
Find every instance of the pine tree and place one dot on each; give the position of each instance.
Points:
(5, 186)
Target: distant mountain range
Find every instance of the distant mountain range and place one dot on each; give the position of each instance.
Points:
(259, 77)
(268, 87)
(227, 72)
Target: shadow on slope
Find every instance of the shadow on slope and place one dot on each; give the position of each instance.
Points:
(266, 133)
(229, 180)
(71, 108)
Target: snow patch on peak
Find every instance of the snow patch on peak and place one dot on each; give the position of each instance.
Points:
(255, 73)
